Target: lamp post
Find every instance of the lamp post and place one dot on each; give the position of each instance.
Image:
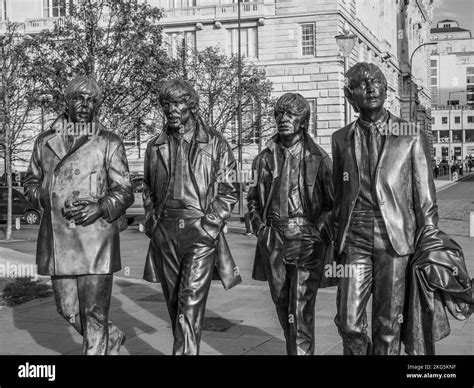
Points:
(239, 107)
(346, 43)
(410, 67)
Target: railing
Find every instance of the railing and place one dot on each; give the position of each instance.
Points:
(453, 107)
(219, 12)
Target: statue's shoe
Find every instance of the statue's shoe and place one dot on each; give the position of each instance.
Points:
(116, 340)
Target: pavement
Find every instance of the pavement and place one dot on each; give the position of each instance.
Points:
(240, 321)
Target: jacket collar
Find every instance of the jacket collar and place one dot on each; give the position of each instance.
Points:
(201, 134)
(388, 118)
(309, 145)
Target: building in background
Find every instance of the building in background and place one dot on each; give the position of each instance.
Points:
(294, 40)
(452, 89)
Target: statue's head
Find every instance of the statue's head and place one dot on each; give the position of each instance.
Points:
(83, 98)
(179, 101)
(292, 113)
(365, 87)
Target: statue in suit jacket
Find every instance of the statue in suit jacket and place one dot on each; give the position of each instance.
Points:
(288, 204)
(188, 194)
(384, 195)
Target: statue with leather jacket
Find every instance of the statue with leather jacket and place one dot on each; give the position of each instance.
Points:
(79, 175)
(187, 194)
(384, 196)
(288, 204)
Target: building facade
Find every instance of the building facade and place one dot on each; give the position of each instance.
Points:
(294, 40)
(452, 89)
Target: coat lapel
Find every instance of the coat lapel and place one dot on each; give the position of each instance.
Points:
(352, 160)
(310, 167)
(163, 148)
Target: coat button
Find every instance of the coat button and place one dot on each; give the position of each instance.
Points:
(77, 171)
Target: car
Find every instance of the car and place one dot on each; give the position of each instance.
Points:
(21, 207)
(136, 212)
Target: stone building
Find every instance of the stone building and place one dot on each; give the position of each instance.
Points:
(294, 40)
(452, 89)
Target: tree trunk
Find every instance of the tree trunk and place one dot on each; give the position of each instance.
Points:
(8, 173)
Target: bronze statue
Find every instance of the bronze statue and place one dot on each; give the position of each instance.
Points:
(187, 195)
(289, 204)
(79, 175)
(384, 195)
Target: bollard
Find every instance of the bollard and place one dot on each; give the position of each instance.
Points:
(471, 224)
(17, 223)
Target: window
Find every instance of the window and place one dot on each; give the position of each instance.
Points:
(444, 136)
(434, 63)
(433, 121)
(457, 136)
(449, 49)
(470, 119)
(248, 41)
(469, 133)
(457, 119)
(453, 102)
(308, 40)
(434, 81)
(55, 8)
(444, 120)
(470, 99)
(470, 79)
(434, 72)
(177, 40)
(470, 70)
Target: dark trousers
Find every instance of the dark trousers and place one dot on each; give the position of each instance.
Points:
(186, 262)
(293, 266)
(84, 302)
(379, 271)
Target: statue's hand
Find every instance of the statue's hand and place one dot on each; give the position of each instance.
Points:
(86, 212)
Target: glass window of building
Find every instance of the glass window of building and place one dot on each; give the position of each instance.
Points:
(434, 72)
(248, 41)
(469, 133)
(457, 119)
(433, 120)
(308, 41)
(444, 120)
(181, 3)
(175, 42)
(433, 63)
(470, 119)
(444, 136)
(457, 136)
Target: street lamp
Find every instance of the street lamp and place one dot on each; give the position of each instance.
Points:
(346, 43)
(410, 69)
(239, 107)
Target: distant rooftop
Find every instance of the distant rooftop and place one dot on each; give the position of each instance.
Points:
(448, 29)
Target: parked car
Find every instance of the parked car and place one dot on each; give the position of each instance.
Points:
(136, 212)
(21, 207)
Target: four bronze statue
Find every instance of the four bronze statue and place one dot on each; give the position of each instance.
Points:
(371, 210)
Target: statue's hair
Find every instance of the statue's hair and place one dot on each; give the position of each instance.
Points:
(358, 73)
(83, 84)
(294, 101)
(179, 87)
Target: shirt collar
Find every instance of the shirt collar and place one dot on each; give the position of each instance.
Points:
(294, 150)
(188, 136)
(379, 124)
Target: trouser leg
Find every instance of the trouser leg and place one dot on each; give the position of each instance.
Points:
(169, 264)
(388, 296)
(94, 301)
(303, 255)
(195, 280)
(271, 248)
(67, 300)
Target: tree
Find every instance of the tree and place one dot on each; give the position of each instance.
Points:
(215, 77)
(119, 44)
(19, 114)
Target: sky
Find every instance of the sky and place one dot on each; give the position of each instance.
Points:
(459, 10)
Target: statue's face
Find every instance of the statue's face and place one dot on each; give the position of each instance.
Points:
(82, 107)
(289, 122)
(177, 111)
(369, 94)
